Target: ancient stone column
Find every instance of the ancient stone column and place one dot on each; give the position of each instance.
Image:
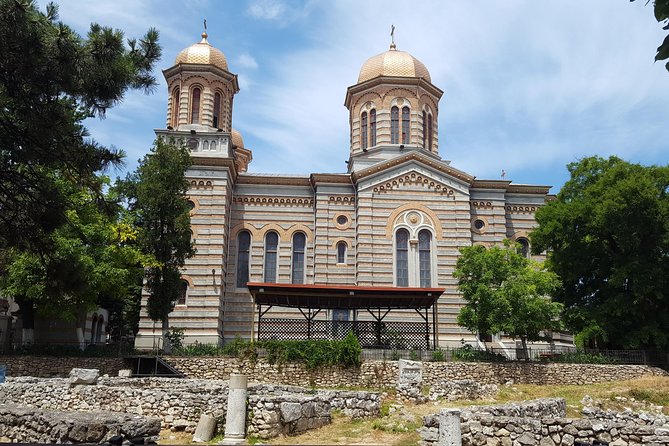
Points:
(449, 428)
(235, 419)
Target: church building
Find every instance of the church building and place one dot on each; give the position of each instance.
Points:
(371, 250)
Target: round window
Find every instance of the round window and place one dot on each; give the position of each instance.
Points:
(479, 224)
(342, 220)
(191, 204)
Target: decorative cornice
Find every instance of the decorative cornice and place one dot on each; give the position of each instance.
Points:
(413, 156)
(337, 178)
(273, 180)
(195, 184)
(519, 209)
(342, 199)
(177, 69)
(263, 200)
(527, 189)
(206, 161)
(490, 184)
(417, 179)
(482, 204)
(392, 80)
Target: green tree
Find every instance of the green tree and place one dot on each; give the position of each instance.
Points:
(157, 196)
(92, 261)
(51, 79)
(661, 12)
(506, 293)
(607, 236)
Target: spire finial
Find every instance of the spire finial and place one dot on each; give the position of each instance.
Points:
(392, 37)
(204, 33)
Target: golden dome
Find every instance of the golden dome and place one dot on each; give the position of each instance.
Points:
(203, 53)
(393, 63)
(237, 140)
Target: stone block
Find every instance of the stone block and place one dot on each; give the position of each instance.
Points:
(290, 411)
(205, 429)
(84, 376)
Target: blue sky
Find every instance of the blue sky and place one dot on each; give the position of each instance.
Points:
(529, 86)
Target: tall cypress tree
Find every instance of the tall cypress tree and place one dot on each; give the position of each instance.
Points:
(157, 193)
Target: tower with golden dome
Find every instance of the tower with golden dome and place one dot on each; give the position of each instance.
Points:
(319, 255)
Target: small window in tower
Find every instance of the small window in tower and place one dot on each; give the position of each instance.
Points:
(191, 205)
(183, 292)
(217, 110)
(479, 224)
(363, 130)
(341, 252)
(195, 106)
(372, 128)
(175, 107)
(342, 220)
(405, 125)
(394, 125)
(430, 133)
(424, 128)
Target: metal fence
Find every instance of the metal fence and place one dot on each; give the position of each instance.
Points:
(370, 334)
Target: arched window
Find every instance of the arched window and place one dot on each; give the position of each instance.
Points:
(405, 125)
(175, 107)
(94, 328)
(243, 251)
(372, 127)
(341, 252)
(195, 106)
(98, 329)
(424, 258)
(183, 291)
(524, 248)
(363, 130)
(402, 257)
(429, 131)
(217, 110)
(299, 241)
(394, 125)
(424, 128)
(271, 248)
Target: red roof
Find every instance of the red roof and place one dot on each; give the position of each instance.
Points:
(342, 296)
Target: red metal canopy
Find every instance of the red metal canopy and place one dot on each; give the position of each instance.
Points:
(342, 296)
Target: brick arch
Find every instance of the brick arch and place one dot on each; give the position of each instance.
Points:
(300, 228)
(390, 225)
(368, 96)
(283, 234)
(255, 233)
(339, 240)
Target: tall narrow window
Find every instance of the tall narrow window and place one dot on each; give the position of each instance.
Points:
(394, 125)
(424, 258)
(402, 257)
(299, 240)
(217, 110)
(195, 106)
(341, 252)
(363, 130)
(430, 133)
(183, 291)
(271, 245)
(372, 127)
(405, 125)
(243, 251)
(175, 107)
(424, 129)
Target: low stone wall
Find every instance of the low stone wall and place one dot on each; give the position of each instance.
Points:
(384, 373)
(178, 403)
(31, 425)
(52, 367)
(536, 424)
(464, 389)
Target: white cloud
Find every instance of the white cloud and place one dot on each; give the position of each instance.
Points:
(267, 9)
(245, 60)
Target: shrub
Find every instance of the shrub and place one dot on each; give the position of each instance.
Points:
(580, 357)
(175, 336)
(438, 356)
(469, 353)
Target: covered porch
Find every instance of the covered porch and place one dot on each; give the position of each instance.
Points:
(331, 311)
